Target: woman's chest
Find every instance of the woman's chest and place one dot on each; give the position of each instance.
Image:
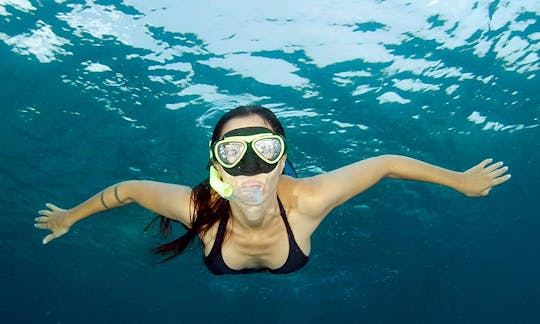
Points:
(251, 248)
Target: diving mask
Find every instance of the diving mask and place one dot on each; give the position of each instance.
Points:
(248, 151)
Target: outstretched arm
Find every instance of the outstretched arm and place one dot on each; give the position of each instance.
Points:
(169, 200)
(329, 190)
(475, 182)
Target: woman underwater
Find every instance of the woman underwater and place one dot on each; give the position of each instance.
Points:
(248, 215)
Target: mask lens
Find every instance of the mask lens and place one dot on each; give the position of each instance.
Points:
(230, 153)
(269, 149)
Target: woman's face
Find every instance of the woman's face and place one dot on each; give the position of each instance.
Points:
(267, 181)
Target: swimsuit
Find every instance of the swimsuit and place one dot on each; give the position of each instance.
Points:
(295, 260)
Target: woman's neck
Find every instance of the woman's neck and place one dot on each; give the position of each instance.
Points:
(255, 216)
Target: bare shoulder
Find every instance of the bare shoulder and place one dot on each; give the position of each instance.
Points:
(300, 202)
(315, 197)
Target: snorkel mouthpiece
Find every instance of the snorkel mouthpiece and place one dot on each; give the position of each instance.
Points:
(249, 193)
(225, 190)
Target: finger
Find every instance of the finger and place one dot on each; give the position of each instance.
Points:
(44, 212)
(498, 172)
(494, 166)
(499, 180)
(49, 238)
(41, 219)
(485, 162)
(42, 225)
(51, 206)
(486, 192)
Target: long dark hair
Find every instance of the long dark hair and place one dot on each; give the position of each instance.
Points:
(208, 206)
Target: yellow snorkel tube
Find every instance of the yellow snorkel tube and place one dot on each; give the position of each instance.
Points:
(225, 190)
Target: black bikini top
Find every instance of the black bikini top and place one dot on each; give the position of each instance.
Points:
(295, 260)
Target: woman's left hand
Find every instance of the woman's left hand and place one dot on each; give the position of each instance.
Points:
(478, 180)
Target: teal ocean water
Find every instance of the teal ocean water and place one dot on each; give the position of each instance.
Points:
(96, 92)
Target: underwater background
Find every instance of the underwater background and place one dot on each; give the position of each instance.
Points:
(97, 92)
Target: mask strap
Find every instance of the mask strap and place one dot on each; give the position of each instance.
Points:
(223, 189)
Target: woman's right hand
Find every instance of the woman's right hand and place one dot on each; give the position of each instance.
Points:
(54, 219)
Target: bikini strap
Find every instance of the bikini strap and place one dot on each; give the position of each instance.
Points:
(284, 216)
(220, 235)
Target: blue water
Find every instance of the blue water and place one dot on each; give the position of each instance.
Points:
(93, 93)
